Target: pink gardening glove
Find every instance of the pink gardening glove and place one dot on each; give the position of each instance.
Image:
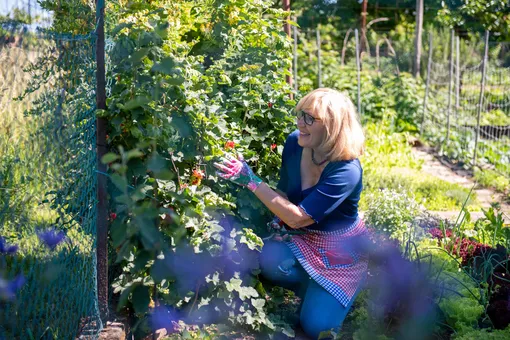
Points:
(238, 171)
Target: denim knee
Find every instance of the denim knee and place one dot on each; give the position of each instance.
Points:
(321, 311)
(314, 326)
(278, 264)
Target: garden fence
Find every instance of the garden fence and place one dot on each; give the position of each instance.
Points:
(463, 117)
(466, 110)
(48, 287)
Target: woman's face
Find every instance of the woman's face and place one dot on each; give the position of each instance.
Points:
(310, 136)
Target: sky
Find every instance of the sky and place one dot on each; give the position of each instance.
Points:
(6, 6)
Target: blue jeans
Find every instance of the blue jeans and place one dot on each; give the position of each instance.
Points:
(320, 311)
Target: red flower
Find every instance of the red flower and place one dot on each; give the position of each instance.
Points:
(107, 137)
(270, 105)
(113, 216)
(273, 146)
(230, 145)
(198, 174)
(184, 186)
(196, 177)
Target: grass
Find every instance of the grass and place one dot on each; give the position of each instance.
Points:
(434, 194)
(390, 164)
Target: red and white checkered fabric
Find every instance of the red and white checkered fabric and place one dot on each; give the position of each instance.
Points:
(329, 259)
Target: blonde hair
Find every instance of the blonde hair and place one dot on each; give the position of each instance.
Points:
(344, 138)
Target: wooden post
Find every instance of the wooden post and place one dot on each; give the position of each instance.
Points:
(363, 25)
(482, 93)
(450, 86)
(295, 61)
(358, 69)
(417, 39)
(429, 66)
(286, 7)
(102, 204)
(286, 28)
(319, 71)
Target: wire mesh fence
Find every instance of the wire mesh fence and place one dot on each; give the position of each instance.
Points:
(467, 112)
(468, 124)
(47, 183)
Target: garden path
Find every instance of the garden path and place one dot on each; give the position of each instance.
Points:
(436, 166)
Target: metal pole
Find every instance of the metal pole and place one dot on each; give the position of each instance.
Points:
(295, 58)
(319, 72)
(358, 67)
(457, 78)
(417, 39)
(450, 86)
(482, 92)
(102, 204)
(427, 87)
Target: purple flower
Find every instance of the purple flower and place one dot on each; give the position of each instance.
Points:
(51, 237)
(164, 317)
(7, 249)
(8, 289)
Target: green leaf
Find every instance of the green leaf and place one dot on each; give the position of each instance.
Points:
(141, 299)
(164, 174)
(109, 157)
(135, 153)
(182, 125)
(124, 296)
(136, 102)
(258, 303)
(213, 108)
(119, 181)
(139, 55)
(141, 260)
(119, 27)
(176, 80)
(118, 233)
(166, 66)
(156, 162)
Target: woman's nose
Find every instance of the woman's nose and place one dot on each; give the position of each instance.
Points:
(300, 122)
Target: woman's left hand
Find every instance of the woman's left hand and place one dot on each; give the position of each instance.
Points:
(238, 171)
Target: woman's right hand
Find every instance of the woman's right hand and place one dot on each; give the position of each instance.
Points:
(277, 227)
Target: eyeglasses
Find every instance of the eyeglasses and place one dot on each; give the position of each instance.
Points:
(308, 118)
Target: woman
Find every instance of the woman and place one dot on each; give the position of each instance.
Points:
(317, 196)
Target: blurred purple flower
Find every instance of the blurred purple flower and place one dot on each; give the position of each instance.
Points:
(165, 317)
(8, 289)
(51, 237)
(7, 249)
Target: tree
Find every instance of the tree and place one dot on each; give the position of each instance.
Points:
(477, 16)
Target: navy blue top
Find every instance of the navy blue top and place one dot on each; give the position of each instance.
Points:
(333, 202)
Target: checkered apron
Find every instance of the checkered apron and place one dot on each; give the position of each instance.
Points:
(328, 259)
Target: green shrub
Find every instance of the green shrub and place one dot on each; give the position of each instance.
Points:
(476, 334)
(462, 313)
(391, 211)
